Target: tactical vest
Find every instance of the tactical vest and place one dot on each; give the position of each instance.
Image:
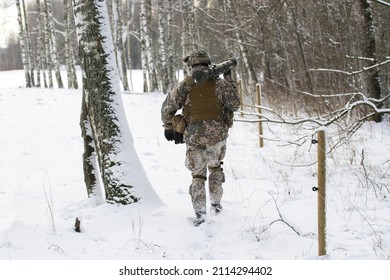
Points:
(203, 103)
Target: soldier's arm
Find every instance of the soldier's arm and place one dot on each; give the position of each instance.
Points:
(169, 108)
(230, 97)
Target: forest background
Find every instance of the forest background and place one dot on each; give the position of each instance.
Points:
(294, 49)
(319, 63)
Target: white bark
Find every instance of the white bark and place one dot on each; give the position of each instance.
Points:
(23, 45)
(170, 47)
(144, 58)
(53, 44)
(149, 62)
(120, 169)
(69, 55)
(163, 69)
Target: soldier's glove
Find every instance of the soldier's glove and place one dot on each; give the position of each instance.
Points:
(178, 137)
(228, 75)
(169, 134)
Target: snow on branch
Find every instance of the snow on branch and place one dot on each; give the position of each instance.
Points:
(324, 120)
(332, 118)
(353, 72)
(383, 2)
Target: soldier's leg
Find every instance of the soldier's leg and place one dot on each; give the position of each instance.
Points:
(196, 163)
(216, 154)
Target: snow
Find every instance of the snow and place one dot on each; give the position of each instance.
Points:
(270, 209)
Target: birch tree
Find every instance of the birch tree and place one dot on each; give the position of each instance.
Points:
(39, 47)
(52, 41)
(24, 44)
(110, 157)
(144, 57)
(117, 29)
(69, 55)
(47, 44)
(130, 8)
(28, 44)
(170, 47)
(188, 40)
(148, 64)
(162, 46)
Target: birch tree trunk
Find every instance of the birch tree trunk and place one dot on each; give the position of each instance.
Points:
(90, 159)
(117, 37)
(188, 43)
(130, 7)
(40, 49)
(144, 58)
(162, 50)
(53, 43)
(103, 119)
(149, 62)
(48, 53)
(69, 55)
(28, 45)
(23, 45)
(41, 56)
(150, 49)
(170, 48)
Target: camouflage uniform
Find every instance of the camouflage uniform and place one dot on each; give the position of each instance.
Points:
(205, 139)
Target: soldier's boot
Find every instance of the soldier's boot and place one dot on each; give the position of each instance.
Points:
(198, 197)
(199, 219)
(215, 209)
(216, 178)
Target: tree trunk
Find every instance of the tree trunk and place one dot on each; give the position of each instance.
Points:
(170, 49)
(188, 44)
(53, 44)
(369, 51)
(48, 53)
(148, 65)
(90, 166)
(162, 50)
(144, 57)
(23, 45)
(130, 7)
(69, 55)
(102, 111)
(40, 49)
(117, 37)
(28, 45)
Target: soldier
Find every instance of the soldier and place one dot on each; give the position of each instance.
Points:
(207, 114)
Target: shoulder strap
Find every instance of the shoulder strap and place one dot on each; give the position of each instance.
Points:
(185, 87)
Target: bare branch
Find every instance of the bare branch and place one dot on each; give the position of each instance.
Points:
(353, 72)
(382, 2)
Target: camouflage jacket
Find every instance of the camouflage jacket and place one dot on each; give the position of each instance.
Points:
(203, 132)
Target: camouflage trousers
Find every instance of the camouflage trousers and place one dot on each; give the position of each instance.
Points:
(198, 160)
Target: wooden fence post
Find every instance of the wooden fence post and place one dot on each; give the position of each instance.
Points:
(321, 153)
(258, 97)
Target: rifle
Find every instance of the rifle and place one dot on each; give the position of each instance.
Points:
(214, 70)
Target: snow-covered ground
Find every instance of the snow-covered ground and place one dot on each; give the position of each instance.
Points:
(270, 209)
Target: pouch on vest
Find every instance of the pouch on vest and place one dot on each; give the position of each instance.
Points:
(178, 123)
